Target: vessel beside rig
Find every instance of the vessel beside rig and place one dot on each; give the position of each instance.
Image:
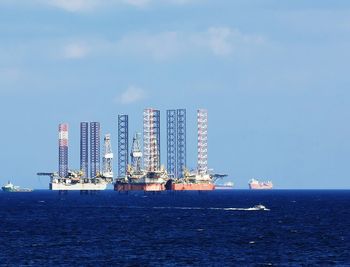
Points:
(226, 186)
(256, 185)
(9, 187)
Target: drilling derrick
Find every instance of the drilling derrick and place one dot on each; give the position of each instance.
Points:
(107, 157)
(136, 154)
(202, 123)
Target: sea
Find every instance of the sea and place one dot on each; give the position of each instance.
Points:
(219, 228)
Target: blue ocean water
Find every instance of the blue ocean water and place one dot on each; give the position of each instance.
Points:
(308, 228)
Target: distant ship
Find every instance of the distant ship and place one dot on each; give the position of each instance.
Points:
(226, 186)
(255, 184)
(9, 187)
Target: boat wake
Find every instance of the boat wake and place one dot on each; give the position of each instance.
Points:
(255, 208)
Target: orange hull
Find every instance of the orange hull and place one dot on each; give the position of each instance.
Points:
(139, 187)
(194, 187)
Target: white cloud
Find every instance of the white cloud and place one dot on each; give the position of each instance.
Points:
(75, 51)
(131, 95)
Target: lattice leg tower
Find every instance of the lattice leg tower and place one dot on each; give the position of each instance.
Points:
(156, 122)
(84, 148)
(171, 143)
(123, 144)
(63, 150)
(181, 142)
(95, 155)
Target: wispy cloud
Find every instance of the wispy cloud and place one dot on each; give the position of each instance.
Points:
(167, 45)
(160, 46)
(75, 51)
(223, 41)
(131, 95)
(73, 5)
(8, 77)
(138, 3)
(93, 5)
(220, 41)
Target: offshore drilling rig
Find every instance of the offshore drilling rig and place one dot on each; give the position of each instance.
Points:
(153, 176)
(145, 171)
(68, 180)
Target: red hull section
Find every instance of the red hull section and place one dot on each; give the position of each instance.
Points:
(139, 187)
(192, 187)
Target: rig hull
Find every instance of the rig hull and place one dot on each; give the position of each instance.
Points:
(77, 186)
(139, 187)
(192, 187)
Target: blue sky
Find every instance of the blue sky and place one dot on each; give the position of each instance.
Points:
(273, 75)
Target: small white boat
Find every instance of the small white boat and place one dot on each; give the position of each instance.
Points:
(260, 207)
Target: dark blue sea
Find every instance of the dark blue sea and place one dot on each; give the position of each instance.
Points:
(302, 228)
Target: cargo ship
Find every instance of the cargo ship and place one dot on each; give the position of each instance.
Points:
(142, 180)
(226, 186)
(9, 187)
(256, 185)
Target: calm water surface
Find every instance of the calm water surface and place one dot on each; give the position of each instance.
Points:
(175, 229)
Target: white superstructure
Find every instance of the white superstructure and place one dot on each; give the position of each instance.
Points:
(68, 185)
